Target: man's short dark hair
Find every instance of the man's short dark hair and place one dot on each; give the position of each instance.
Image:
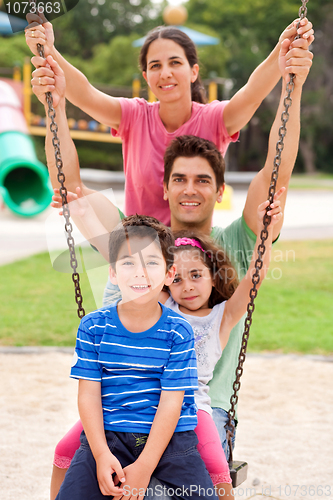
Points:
(141, 227)
(189, 146)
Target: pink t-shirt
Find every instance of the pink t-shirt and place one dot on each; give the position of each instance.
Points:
(144, 142)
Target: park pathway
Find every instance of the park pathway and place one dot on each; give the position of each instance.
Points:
(308, 215)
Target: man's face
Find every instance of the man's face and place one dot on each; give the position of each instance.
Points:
(192, 193)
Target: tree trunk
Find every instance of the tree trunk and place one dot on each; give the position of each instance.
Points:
(308, 154)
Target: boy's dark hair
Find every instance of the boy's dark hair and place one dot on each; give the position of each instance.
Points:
(190, 146)
(141, 226)
(221, 269)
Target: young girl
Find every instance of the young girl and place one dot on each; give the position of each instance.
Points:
(206, 293)
(169, 64)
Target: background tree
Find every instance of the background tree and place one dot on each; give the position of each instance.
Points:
(249, 31)
(93, 22)
(97, 35)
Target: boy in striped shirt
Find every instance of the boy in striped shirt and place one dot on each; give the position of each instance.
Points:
(136, 365)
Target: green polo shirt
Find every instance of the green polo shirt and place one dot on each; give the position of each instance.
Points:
(238, 241)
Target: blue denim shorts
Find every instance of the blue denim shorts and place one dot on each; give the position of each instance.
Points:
(111, 293)
(220, 418)
(181, 472)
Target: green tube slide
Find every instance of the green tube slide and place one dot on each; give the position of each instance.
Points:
(24, 181)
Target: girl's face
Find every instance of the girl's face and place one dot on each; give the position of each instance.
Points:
(192, 285)
(169, 74)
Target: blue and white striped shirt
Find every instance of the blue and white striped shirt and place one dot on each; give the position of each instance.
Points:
(134, 368)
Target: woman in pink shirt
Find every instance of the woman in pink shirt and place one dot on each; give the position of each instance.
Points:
(169, 64)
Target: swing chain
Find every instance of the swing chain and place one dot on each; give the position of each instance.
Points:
(63, 193)
(260, 252)
(303, 10)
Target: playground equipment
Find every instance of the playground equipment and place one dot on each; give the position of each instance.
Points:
(10, 24)
(24, 182)
(238, 470)
(82, 129)
(177, 16)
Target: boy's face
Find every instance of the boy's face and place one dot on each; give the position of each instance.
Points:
(192, 192)
(140, 270)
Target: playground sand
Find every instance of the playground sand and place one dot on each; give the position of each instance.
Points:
(284, 402)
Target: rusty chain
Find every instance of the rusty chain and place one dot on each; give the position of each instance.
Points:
(260, 252)
(63, 192)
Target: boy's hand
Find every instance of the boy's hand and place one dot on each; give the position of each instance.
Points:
(295, 58)
(136, 483)
(48, 77)
(305, 30)
(106, 465)
(274, 211)
(40, 31)
(78, 202)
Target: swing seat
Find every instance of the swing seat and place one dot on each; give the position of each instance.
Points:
(238, 473)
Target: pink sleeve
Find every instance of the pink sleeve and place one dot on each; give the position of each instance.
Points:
(214, 119)
(130, 109)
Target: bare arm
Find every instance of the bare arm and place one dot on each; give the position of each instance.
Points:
(236, 306)
(165, 421)
(79, 91)
(87, 220)
(297, 60)
(91, 414)
(246, 101)
(106, 213)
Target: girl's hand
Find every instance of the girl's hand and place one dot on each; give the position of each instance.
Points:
(40, 31)
(274, 211)
(305, 30)
(48, 77)
(78, 204)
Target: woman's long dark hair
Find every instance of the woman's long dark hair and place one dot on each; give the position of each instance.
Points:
(221, 269)
(177, 36)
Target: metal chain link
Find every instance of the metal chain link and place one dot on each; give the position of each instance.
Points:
(260, 252)
(63, 192)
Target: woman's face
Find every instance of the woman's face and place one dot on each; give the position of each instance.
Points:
(169, 74)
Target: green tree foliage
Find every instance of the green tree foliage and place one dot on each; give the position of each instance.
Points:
(212, 58)
(97, 35)
(249, 31)
(13, 50)
(93, 22)
(317, 102)
(116, 62)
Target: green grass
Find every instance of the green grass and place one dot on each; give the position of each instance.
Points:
(293, 313)
(319, 181)
(37, 305)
